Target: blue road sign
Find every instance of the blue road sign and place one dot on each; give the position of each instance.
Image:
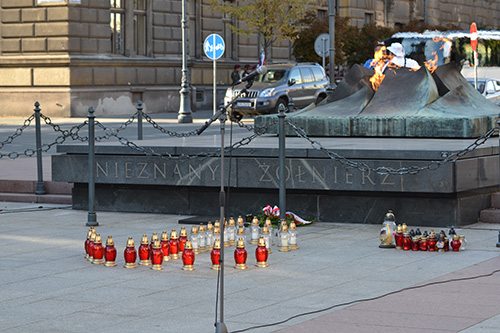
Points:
(214, 46)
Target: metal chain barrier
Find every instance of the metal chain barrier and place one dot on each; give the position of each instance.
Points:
(166, 131)
(18, 132)
(183, 157)
(383, 170)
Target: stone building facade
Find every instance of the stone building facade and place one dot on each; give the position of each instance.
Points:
(73, 54)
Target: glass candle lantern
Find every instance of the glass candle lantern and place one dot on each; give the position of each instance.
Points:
(269, 226)
(188, 257)
(406, 241)
(130, 254)
(398, 237)
(240, 255)
(91, 247)
(261, 253)
(455, 243)
(87, 242)
(98, 251)
(202, 238)
(217, 234)
(165, 246)
(183, 237)
(293, 236)
(267, 238)
(215, 255)
(174, 245)
(156, 256)
(254, 231)
(226, 236)
(154, 238)
(284, 239)
(240, 222)
(195, 240)
(144, 251)
(210, 236)
(231, 230)
(110, 253)
(463, 242)
(240, 233)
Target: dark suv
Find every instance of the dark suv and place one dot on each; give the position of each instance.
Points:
(305, 83)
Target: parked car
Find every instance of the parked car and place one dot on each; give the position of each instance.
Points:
(489, 88)
(305, 83)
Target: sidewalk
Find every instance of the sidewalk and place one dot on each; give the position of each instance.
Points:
(48, 286)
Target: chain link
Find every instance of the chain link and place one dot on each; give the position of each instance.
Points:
(18, 132)
(166, 131)
(383, 170)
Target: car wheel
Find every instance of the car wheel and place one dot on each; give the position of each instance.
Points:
(283, 102)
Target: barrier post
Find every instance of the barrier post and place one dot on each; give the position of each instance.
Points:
(139, 120)
(282, 181)
(40, 188)
(92, 217)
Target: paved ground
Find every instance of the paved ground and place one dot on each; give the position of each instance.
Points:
(47, 285)
(339, 276)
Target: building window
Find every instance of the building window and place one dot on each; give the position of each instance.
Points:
(368, 18)
(117, 23)
(140, 27)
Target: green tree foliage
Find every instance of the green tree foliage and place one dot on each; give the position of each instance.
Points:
(273, 20)
(303, 49)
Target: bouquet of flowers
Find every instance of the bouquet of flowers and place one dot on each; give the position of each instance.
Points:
(273, 213)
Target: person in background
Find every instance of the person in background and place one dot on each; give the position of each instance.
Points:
(248, 70)
(235, 75)
(397, 56)
(379, 54)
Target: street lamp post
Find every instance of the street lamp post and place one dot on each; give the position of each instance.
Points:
(331, 21)
(185, 114)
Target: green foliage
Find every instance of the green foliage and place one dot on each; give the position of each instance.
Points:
(272, 19)
(303, 49)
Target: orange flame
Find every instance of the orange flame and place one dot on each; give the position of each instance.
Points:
(431, 64)
(378, 64)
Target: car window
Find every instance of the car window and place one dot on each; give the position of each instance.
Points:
(295, 74)
(307, 75)
(490, 87)
(319, 75)
(497, 85)
(480, 85)
(274, 75)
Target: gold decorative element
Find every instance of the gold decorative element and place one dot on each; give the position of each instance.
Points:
(240, 221)
(144, 239)
(183, 232)
(164, 236)
(210, 226)
(130, 242)
(173, 234)
(109, 241)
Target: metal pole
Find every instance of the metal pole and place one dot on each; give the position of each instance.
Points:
(92, 218)
(40, 189)
(282, 182)
(331, 24)
(475, 69)
(220, 327)
(185, 114)
(139, 120)
(215, 84)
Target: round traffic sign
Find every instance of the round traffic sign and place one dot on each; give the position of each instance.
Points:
(214, 46)
(322, 45)
(473, 36)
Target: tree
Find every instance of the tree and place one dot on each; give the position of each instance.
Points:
(303, 49)
(273, 20)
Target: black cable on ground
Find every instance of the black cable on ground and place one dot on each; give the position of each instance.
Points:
(369, 299)
(34, 209)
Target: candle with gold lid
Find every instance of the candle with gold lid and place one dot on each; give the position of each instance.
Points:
(174, 245)
(267, 238)
(254, 231)
(182, 239)
(227, 241)
(261, 253)
(215, 255)
(87, 242)
(144, 251)
(210, 236)
(110, 253)
(156, 256)
(202, 236)
(91, 247)
(240, 233)
(194, 238)
(154, 238)
(269, 226)
(284, 241)
(240, 255)
(231, 230)
(130, 254)
(293, 236)
(188, 257)
(165, 246)
(98, 251)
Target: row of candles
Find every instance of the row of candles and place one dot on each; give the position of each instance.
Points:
(202, 239)
(402, 239)
(417, 241)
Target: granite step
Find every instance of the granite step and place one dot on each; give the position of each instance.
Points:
(24, 191)
(491, 215)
